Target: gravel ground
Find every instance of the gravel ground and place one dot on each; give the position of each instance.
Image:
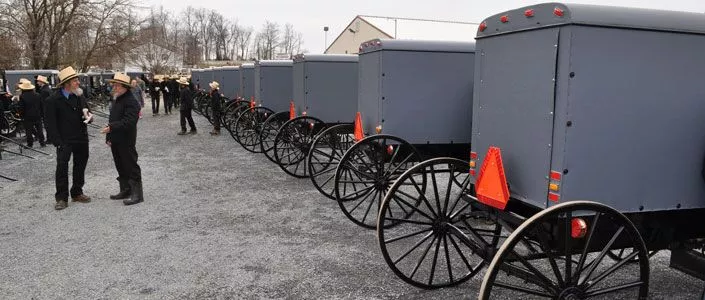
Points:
(218, 222)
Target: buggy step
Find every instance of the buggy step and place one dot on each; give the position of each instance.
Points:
(688, 261)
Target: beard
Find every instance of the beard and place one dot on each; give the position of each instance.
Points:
(78, 91)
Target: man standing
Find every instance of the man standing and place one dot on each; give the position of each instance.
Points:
(44, 93)
(186, 107)
(173, 91)
(31, 106)
(154, 94)
(165, 93)
(216, 104)
(137, 92)
(68, 133)
(121, 136)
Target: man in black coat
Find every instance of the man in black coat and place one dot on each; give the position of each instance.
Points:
(68, 132)
(216, 103)
(186, 107)
(173, 92)
(121, 136)
(44, 91)
(164, 87)
(154, 94)
(31, 106)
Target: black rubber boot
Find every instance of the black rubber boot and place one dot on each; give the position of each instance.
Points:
(125, 191)
(136, 196)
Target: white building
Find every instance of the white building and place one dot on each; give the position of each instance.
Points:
(150, 57)
(365, 28)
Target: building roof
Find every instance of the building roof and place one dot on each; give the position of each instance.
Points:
(419, 29)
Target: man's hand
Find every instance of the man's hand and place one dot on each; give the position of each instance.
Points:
(105, 130)
(109, 143)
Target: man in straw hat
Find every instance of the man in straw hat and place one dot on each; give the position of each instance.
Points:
(67, 131)
(31, 106)
(216, 103)
(186, 107)
(121, 136)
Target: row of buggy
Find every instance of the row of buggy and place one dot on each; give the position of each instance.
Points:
(558, 152)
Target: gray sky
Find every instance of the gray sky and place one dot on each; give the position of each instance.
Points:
(310, 16)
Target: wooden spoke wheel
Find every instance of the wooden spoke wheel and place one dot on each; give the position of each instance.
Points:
(366, 172)
(249, 126)
(293, 142)
(560, 253)
(325, 154)
(430, 231)
(270, 128)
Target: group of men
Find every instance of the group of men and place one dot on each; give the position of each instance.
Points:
(31, 104)
(65, 114)
(168, 87)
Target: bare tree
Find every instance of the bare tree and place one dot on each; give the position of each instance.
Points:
(110, 26)
(243, 41)
(269, 40)
(220, 30)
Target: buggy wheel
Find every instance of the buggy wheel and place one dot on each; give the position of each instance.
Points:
(366, 172)
(270, 128)
(619, 254)
(325, 154)
(439, 237)
(249, 126)
(559, 253)
(292, 143)
(231, 114)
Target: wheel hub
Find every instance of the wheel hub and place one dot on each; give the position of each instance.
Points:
(571, 293)
(441, 225)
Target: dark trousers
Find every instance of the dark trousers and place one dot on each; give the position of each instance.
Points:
(33, 128)
(167, 102)
(216, 119)
(184, 116)
(125, 158)
(80, 159)
(155, 103)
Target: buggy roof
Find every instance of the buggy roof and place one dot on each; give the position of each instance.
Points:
(275, 63)
(559, 14)
(326, 57)
(417, 45)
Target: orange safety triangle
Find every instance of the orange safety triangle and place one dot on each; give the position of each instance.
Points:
(491, 183)
(292, 110)
(359, 133)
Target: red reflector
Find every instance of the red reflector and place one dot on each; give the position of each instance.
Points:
(504, 19)
(473, 155)
(578, 228)
(491, 185)
(472, 172)
(310, 125)
(554, 197)
(483, 26)
(529, 13)
(555, 175)
(390, 149)
(558, 12)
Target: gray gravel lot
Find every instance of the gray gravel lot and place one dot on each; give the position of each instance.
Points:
(218, 223)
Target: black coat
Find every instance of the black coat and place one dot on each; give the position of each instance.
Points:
(123, 120)
(45, 92)
(173, 87)
(31, 105)
(63, 119)
(216, 100)
(186, 99)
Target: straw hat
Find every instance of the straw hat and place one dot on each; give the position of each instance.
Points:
(67, 74)
(214, 85)
(120, 78)
(26, 85)
(43, 79)
(183, 81)
(23, 80)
